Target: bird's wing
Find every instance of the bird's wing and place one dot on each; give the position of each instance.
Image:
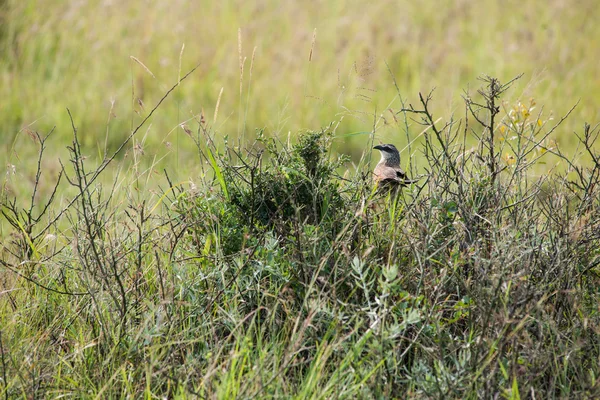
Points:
(391, 175)
(404, 179)
(400, 174)
(384, 173)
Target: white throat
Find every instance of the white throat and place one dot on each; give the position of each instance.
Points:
(385, 158)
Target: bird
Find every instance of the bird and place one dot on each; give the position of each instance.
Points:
(387, 173)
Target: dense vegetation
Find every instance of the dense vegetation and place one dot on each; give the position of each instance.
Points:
(154, 244)
(283, 272)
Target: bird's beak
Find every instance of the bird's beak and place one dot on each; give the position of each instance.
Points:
(378, 147)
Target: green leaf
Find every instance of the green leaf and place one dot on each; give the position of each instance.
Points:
(515, 390)
(218, 172)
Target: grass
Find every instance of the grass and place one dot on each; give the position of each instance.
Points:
(274, 276)
(186, 236)
(79, 55)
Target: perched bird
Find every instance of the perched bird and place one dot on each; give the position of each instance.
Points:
(387, 173)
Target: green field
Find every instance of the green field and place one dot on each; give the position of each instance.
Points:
(187, 209)
(79, 55)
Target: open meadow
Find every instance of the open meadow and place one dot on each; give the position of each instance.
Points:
(187, 207)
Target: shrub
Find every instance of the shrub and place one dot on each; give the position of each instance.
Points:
(277, 278)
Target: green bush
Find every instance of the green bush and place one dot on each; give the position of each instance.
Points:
(275, 277)
(299, 185)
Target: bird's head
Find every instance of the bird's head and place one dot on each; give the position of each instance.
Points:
(389, 154)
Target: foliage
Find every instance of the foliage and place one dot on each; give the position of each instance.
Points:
(275, 277)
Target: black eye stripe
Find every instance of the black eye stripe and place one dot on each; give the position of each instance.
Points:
(388, 148)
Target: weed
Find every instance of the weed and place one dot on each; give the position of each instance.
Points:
(277, 277)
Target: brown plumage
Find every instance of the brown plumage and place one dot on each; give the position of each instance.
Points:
(388, 173)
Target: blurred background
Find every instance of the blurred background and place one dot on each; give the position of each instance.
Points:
(278, 65)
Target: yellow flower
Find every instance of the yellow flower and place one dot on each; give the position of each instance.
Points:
(509, 159)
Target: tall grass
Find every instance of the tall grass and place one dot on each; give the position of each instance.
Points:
(82, 55)
(272, 275)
